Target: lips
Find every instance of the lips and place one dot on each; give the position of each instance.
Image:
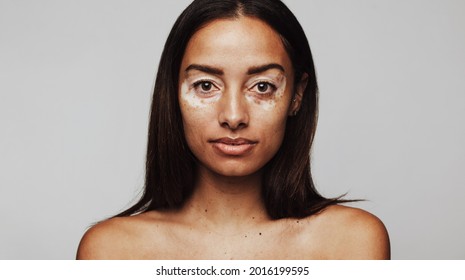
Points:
(233, 146)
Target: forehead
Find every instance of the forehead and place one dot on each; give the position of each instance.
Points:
(238, 43)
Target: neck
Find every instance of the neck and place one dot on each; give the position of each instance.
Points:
(226, 202)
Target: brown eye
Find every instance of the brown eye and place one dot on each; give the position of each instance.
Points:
(262, 87)
(206, 86)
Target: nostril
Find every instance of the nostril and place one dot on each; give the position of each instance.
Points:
(233, 126)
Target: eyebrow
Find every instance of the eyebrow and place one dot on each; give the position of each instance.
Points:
(263, 68)
(251, 71)
(205, 68)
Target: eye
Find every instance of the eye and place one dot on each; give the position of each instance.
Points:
(264, 88)
(204, 87)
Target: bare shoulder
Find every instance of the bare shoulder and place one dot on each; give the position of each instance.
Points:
(352, 233)
(105, 240)
(115, 238)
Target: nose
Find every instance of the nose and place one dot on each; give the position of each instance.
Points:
(233, 111)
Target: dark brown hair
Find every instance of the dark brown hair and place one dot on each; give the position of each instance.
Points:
(287, 188)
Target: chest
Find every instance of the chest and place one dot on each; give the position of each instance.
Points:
(260, 243)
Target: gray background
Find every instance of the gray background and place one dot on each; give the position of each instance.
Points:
(75, 89)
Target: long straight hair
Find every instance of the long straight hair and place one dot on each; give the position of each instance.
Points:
(287, 187)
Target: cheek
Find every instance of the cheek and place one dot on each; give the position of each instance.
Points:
(271, 124)
(193, 129)
(197, 117)
(271, 118)
(193, 117)
(273, 131)
(192, 108)
(271, 112)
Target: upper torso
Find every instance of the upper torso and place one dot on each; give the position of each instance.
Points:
(158, 235)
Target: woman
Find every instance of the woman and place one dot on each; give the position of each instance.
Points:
(228, 169)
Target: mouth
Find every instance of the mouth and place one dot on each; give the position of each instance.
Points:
(233, 146)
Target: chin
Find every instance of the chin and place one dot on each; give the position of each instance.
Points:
(235, 170)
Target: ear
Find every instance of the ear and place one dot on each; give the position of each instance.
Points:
(296, 101)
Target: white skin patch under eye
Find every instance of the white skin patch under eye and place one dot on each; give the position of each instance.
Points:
(268, 103)
(189, 95)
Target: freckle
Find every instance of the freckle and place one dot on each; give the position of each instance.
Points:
(253, 217)
(245, 236)
(297, 222)
(205, 210)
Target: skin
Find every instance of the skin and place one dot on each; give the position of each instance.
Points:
(225, 218)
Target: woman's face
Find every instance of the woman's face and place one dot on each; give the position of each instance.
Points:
(235, 94)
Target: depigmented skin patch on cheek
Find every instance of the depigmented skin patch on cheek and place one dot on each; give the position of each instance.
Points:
(190, 98)
(270, 103)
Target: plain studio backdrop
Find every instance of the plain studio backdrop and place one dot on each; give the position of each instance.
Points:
(76, 80)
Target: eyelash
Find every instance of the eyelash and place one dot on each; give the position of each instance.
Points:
(197, 84)
(272, 86)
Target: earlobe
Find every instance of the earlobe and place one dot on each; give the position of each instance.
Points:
(296, 101)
